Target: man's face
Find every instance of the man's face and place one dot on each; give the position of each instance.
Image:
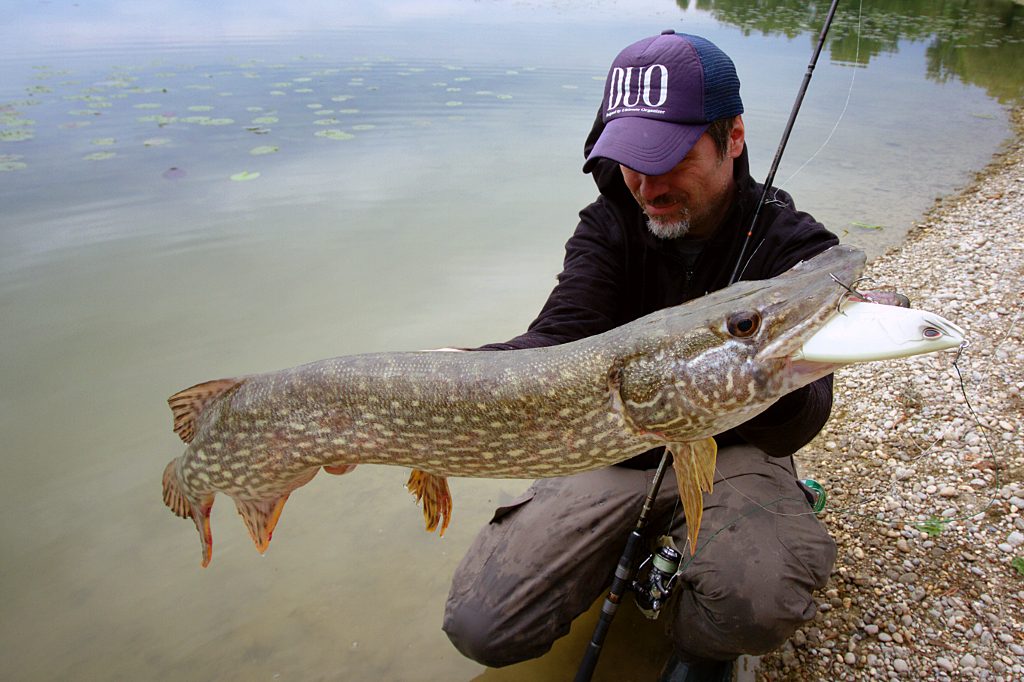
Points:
(692, 198)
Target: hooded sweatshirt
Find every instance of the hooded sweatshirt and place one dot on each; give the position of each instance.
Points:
(616, 270)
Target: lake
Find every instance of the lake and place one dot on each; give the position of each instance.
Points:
(190, 193)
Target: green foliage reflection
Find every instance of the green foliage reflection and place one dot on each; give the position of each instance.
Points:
(979, 42)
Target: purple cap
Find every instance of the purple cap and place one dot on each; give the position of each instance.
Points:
(661, 94)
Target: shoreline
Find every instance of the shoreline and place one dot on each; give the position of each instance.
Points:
(926, 498)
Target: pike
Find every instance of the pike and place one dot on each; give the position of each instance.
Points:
(673, 378)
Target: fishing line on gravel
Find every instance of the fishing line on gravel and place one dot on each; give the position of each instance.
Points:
(940, 523)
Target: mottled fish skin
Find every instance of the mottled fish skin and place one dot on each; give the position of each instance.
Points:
(675, 377)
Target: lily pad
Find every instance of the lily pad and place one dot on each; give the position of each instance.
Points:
(160, 119)
(265, 149)
(258, 130)
(11, 162)
(245, 176)
(341, 98)
(104, 141)
(265, 120)
(453, 103)
(156, 142)
(334, 134)
(15, 135)
(200, 107)
(364, 126)
(326, 122)
(99, 156)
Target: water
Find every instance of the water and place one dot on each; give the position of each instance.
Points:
(132, 265)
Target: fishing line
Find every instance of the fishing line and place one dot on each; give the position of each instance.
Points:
(939, 522)
(842, 113)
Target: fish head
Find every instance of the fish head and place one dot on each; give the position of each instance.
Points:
(715, 362)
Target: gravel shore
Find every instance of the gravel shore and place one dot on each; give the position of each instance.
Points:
(925, 499)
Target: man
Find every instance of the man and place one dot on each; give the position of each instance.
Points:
(668, 155)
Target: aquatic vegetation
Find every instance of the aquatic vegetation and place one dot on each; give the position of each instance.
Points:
(334, 134)
(11, 162)
(99, 156)
(16, 135)
(265, 149)
(245, 176)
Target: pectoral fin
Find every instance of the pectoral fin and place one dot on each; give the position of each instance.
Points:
(694, 464)
(433, 491)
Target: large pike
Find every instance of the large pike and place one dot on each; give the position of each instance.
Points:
(673, 378)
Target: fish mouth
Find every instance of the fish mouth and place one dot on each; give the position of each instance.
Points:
(810, 296)
(817, 327)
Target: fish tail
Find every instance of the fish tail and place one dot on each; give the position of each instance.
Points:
(432, 491)
(179, 503)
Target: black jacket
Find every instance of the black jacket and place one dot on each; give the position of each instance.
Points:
(616, 271)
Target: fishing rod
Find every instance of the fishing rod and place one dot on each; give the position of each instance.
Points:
(625, 568)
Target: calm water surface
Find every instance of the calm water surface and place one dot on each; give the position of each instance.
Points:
(188, 194)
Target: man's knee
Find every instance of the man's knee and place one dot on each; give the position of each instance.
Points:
(732, 624)
(480, 636)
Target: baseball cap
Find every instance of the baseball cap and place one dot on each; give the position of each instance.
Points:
(660, 96)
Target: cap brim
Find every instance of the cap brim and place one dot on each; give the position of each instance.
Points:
(645, 145)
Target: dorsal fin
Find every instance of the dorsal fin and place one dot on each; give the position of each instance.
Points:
(187, 405)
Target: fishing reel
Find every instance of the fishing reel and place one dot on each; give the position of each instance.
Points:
(653, 588)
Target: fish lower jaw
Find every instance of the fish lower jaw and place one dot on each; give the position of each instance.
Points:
(799, 373)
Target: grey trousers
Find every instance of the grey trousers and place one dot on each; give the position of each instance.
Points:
(548, 555)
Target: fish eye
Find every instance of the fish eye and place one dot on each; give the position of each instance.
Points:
(742, 325)
(931, 333)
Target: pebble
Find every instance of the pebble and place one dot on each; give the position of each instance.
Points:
(900, 666)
